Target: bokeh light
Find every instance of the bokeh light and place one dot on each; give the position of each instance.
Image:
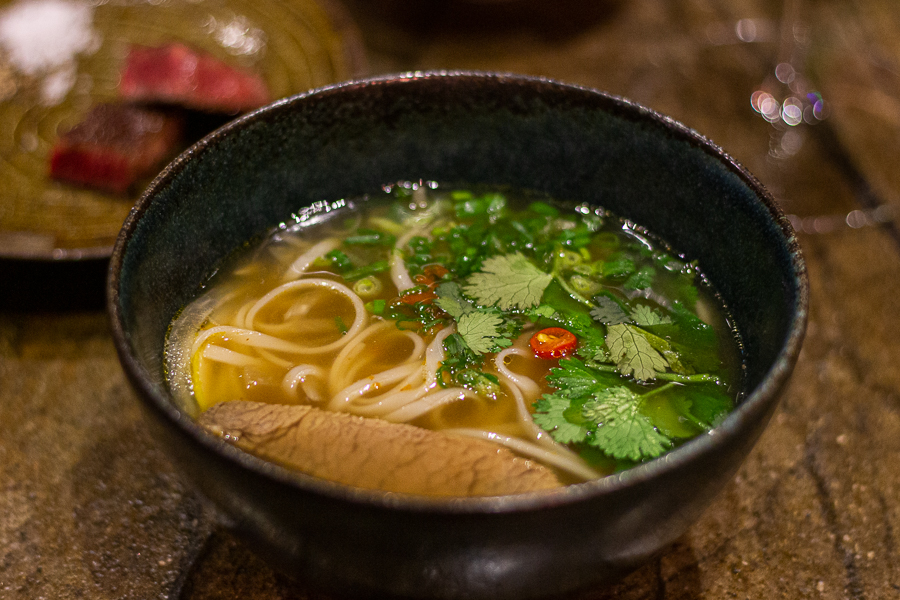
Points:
(792, 111)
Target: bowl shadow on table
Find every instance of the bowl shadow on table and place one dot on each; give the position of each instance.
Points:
(225, 569)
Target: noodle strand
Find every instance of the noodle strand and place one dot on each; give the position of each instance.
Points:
(302, 263)
(302, 376)
(359, 320)
(399, 273)
(569, 463)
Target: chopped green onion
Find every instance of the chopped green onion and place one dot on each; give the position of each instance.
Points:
(336, 260)
(376, 307)
(544, 209)
(470, 208)
(461, 195)
(607, 239)
(386, 224)
(342, 327)
(370, 237)
(584, 285)
(484, 384)
(360, 272)
(496, 204)
(617, 266)
(368, 287)
(566, 260)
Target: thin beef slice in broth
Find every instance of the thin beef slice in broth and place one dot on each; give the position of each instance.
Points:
(376, 454)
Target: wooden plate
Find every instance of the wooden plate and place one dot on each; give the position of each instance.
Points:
(295, 45)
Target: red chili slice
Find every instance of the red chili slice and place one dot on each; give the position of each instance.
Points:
(426, 296)
(553, 342)
(435, 271)
(431, 274)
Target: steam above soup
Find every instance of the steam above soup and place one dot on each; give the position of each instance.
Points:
(449, 328)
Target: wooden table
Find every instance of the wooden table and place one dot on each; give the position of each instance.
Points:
(90, 507)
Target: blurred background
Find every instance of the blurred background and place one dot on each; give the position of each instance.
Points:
(804, 93)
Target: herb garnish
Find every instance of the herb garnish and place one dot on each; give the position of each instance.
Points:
(640, 375)
(508, 282)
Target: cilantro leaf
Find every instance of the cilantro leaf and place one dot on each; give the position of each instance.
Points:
(683, 411)
(698, 331)
(336, 260)
(645, 316)
(590, 337)
(451, 300)
(710, 405)
(597, 353)
(633, 353)
(484, 384)
(617, 266)
(480, 330)
(544, 310)
(669, 350)
(508, 281)
(593, 407)
(575, 378)
(552, 418)
(608, 311)
(622, 431)
(694, 341)
(640, 280)
(670, 413)
(458, 356)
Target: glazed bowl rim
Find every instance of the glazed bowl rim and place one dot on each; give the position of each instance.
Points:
(756, 401)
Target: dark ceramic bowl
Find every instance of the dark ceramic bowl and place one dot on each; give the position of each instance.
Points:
(573, 143)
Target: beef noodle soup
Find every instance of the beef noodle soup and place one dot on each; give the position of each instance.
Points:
(560, 338)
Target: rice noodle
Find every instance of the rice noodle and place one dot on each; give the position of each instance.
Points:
(240, 318)
(359, 320)
(434, 354)
(341, 364)
(247, 337)
(399, 273)
(302, 262)
(405, 377)
(387, 403)
(525, 384)
(539, 438)
(273, 358)
(521, 408)
(302, 377)
(569, 463)
(429, 402)
(420, 379)
(415, 355)
(230, 357)
(300, 327)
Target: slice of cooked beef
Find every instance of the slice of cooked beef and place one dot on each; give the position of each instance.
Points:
(177, 74)
(114, 146)
(375, 454)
